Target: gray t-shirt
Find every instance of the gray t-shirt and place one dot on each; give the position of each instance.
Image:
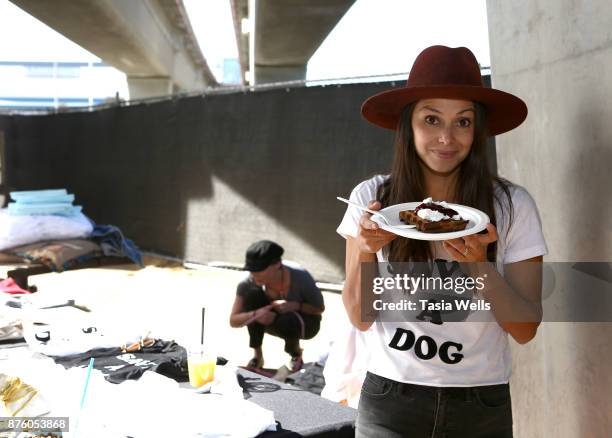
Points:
(302, 288)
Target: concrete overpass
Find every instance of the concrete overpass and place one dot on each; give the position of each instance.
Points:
(151, 41)
(283, 35)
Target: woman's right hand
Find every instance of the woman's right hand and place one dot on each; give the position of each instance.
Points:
(370, 237)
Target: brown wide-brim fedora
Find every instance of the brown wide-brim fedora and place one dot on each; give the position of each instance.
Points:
(449, 73)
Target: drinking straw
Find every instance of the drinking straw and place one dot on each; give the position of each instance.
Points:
(202, 330)
(89, 368)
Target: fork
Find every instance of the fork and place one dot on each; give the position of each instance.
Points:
(377, 213)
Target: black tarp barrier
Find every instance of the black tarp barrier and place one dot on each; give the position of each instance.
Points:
(287, 152)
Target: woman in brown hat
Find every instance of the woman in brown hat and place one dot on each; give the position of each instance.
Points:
(433, 378)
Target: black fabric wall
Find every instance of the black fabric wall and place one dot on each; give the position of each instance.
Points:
(289, 152)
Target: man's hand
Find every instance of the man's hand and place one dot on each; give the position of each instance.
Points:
(265, 315)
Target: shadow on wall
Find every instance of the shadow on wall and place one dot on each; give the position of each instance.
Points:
(288, 152)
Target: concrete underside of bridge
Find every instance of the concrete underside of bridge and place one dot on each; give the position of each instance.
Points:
(286, 34)
(151, 41)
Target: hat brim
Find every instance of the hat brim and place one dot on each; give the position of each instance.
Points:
(504, 110)
(258, 265)
(255, 267)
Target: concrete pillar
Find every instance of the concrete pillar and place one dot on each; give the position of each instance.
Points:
(557, 56)
(141, 88)
(3, 189)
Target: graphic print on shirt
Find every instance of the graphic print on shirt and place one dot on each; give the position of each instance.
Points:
(435, 307)
(425, 347)
(164, 357)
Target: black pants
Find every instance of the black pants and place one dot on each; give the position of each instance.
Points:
(291, 326)
(392, 409)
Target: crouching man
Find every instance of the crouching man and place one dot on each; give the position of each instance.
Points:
(276, 299)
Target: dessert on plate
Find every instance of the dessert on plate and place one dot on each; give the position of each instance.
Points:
(434, 217)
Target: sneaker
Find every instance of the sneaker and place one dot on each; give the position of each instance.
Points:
(295, 364)
(255, 363)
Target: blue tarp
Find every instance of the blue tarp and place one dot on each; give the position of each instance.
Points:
(113, 243)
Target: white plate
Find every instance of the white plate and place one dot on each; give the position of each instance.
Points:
(477, 221)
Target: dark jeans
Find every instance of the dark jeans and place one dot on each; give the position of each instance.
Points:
(291, 326)
(392, 409)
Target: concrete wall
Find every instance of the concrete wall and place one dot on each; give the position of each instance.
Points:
(202, 177)
(557, 55)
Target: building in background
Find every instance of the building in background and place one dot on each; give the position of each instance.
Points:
(40, 68)
(43, 84)
(231, 71)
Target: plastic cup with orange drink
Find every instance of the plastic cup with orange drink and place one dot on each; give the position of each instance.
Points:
(201, 367)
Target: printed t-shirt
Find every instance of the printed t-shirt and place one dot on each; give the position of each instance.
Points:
(467, 353)
(164, 357)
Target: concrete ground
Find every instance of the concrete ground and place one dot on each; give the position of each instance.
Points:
(167, 299)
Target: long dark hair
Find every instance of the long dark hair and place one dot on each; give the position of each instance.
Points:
(475, 185)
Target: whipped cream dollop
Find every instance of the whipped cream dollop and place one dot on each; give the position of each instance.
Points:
(431, 201)
(435, 215)
(431, 215)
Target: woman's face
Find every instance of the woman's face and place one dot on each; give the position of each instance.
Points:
(443, 132)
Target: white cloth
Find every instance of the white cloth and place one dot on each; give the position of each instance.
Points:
(65, 331)
(22, 405)
(21, 230)
(346, 365)
(484, 345)
(10, 317)
(151, 407)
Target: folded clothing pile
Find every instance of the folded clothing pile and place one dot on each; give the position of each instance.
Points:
(44, 227)
(59, 255)
(43, 202)
(22, 230)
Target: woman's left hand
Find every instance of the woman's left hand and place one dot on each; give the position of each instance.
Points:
(471, 248)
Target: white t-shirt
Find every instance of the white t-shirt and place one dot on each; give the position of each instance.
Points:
(468, 353)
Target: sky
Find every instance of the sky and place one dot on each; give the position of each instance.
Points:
(211, 21)
(385, 36)
(26, 39)
(375, 37)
